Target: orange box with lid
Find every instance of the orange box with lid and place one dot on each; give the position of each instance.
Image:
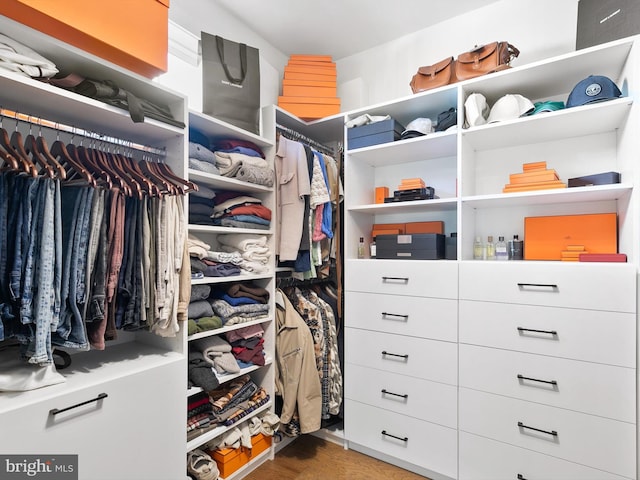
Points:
(229, 460)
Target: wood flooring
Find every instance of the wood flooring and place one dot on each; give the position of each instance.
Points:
(313, 458)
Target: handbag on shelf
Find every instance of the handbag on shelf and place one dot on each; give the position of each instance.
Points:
(493, 57)
(483, 59)
(433, 76)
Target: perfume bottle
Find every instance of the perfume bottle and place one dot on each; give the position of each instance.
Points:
(490, 249)
(478, 249)
(361, 248)
(501, 249)
(372, 249)
(516, 248)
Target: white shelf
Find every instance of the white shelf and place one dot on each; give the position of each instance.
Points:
(216, 129)
(216, 432)
(225, 183)
(222, 230)
(443, 204)
(228, 377)
(546, 127)
(433, 145)
(232, 278)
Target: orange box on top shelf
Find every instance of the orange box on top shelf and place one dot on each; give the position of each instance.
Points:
(132, 34)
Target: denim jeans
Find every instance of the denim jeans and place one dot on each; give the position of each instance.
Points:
(33, 217)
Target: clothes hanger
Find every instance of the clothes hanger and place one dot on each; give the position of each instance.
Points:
(103, 161)
(102, 178)
(17, 143)
(24, 164)
(31, 148)
(159, 180)
(131, 167)
(184, 186)
(134, 186)
(59, 150)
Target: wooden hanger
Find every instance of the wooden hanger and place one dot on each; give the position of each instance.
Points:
(43, 149)
(31, 149)
(59, 150)
(25, 165)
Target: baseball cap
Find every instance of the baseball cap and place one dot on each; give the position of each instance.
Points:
(417, 127)
(476, 110)
(546, 106)
(594, 88)
(509, 107)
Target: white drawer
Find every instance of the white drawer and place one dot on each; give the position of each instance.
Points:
(412, 356)
(593, 441)
(435, 318)
(431, 401)
(590, 335)
(421, 443)
(485, 459)
(593, 286)
(592, 388)
(422, 278)
(112, 436)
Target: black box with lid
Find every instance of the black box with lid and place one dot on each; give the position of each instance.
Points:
(374, 133)
(417, 246)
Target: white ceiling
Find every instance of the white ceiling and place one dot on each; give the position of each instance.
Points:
(341, 28)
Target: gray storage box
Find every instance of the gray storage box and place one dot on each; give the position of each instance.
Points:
(374, 133)
(601, 21)
(418, 246)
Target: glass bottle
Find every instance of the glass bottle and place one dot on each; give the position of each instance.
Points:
(516, 248)
(361, 248)
(501, 249)
(490, 249)
(372, 249)
(478, 249)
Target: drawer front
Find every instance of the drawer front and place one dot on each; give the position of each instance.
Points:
(415, 316)
(421, 443)
(129, 425)
(423, 399)
(422, 278)
(589, 335)
(592, 388)
(604, 286)
(593, 441)
(416, 357)
(485, 459)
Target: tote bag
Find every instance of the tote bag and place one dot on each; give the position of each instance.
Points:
(231, 82)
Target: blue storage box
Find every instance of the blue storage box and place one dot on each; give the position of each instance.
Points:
(374, 133)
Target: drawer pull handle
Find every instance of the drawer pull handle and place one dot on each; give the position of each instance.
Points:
(386, 392)
(406, 356)
(551, 286)
(395, 279)
(387, 314)
(521, 477)
(550, 382)
(533, 330)
(55, 411)
(404, 439)
(552, 432)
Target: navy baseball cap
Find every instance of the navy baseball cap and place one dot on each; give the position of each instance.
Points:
(594, 88)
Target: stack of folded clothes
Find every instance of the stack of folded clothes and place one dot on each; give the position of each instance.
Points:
(208, 263)
(199, 411)
(217, 351)
(253, 248)
(202, 158)
(200, 316)
(236, 399)
(247, 345)
(229, 209)
(243, 160)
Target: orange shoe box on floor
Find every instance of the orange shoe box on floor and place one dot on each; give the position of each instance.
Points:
(545, 238)
(132, 34)
(231, 459)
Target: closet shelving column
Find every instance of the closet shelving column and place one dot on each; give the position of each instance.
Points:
(139, 365)
(216, 129)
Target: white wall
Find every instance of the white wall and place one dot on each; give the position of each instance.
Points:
(538, 28)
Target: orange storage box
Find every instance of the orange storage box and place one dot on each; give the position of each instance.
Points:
(308, 88)
(231, 459)
(424, 227)
(310, 108)
(545, 238)
(132, 34)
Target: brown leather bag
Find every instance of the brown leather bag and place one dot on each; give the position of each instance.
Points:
(484, 59)
(433, 76)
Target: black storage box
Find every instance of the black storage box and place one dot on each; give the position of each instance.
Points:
(606, 178)
(374, 133)
(451, 247)
(601, 21)
(418, 246)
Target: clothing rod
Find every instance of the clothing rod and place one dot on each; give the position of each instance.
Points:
(41, 122)
(309, 141)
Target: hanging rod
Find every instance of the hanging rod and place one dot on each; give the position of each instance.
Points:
(298, 136)
(41, 122)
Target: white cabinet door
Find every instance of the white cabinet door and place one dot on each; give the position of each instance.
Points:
(420, 278)
(485, 459)
(431, 401)
(590, 335)
(591, 388)
(421, 443)
(133, 432)
(425, 317)
(593, 286)
(416, 357)
(597, 442)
